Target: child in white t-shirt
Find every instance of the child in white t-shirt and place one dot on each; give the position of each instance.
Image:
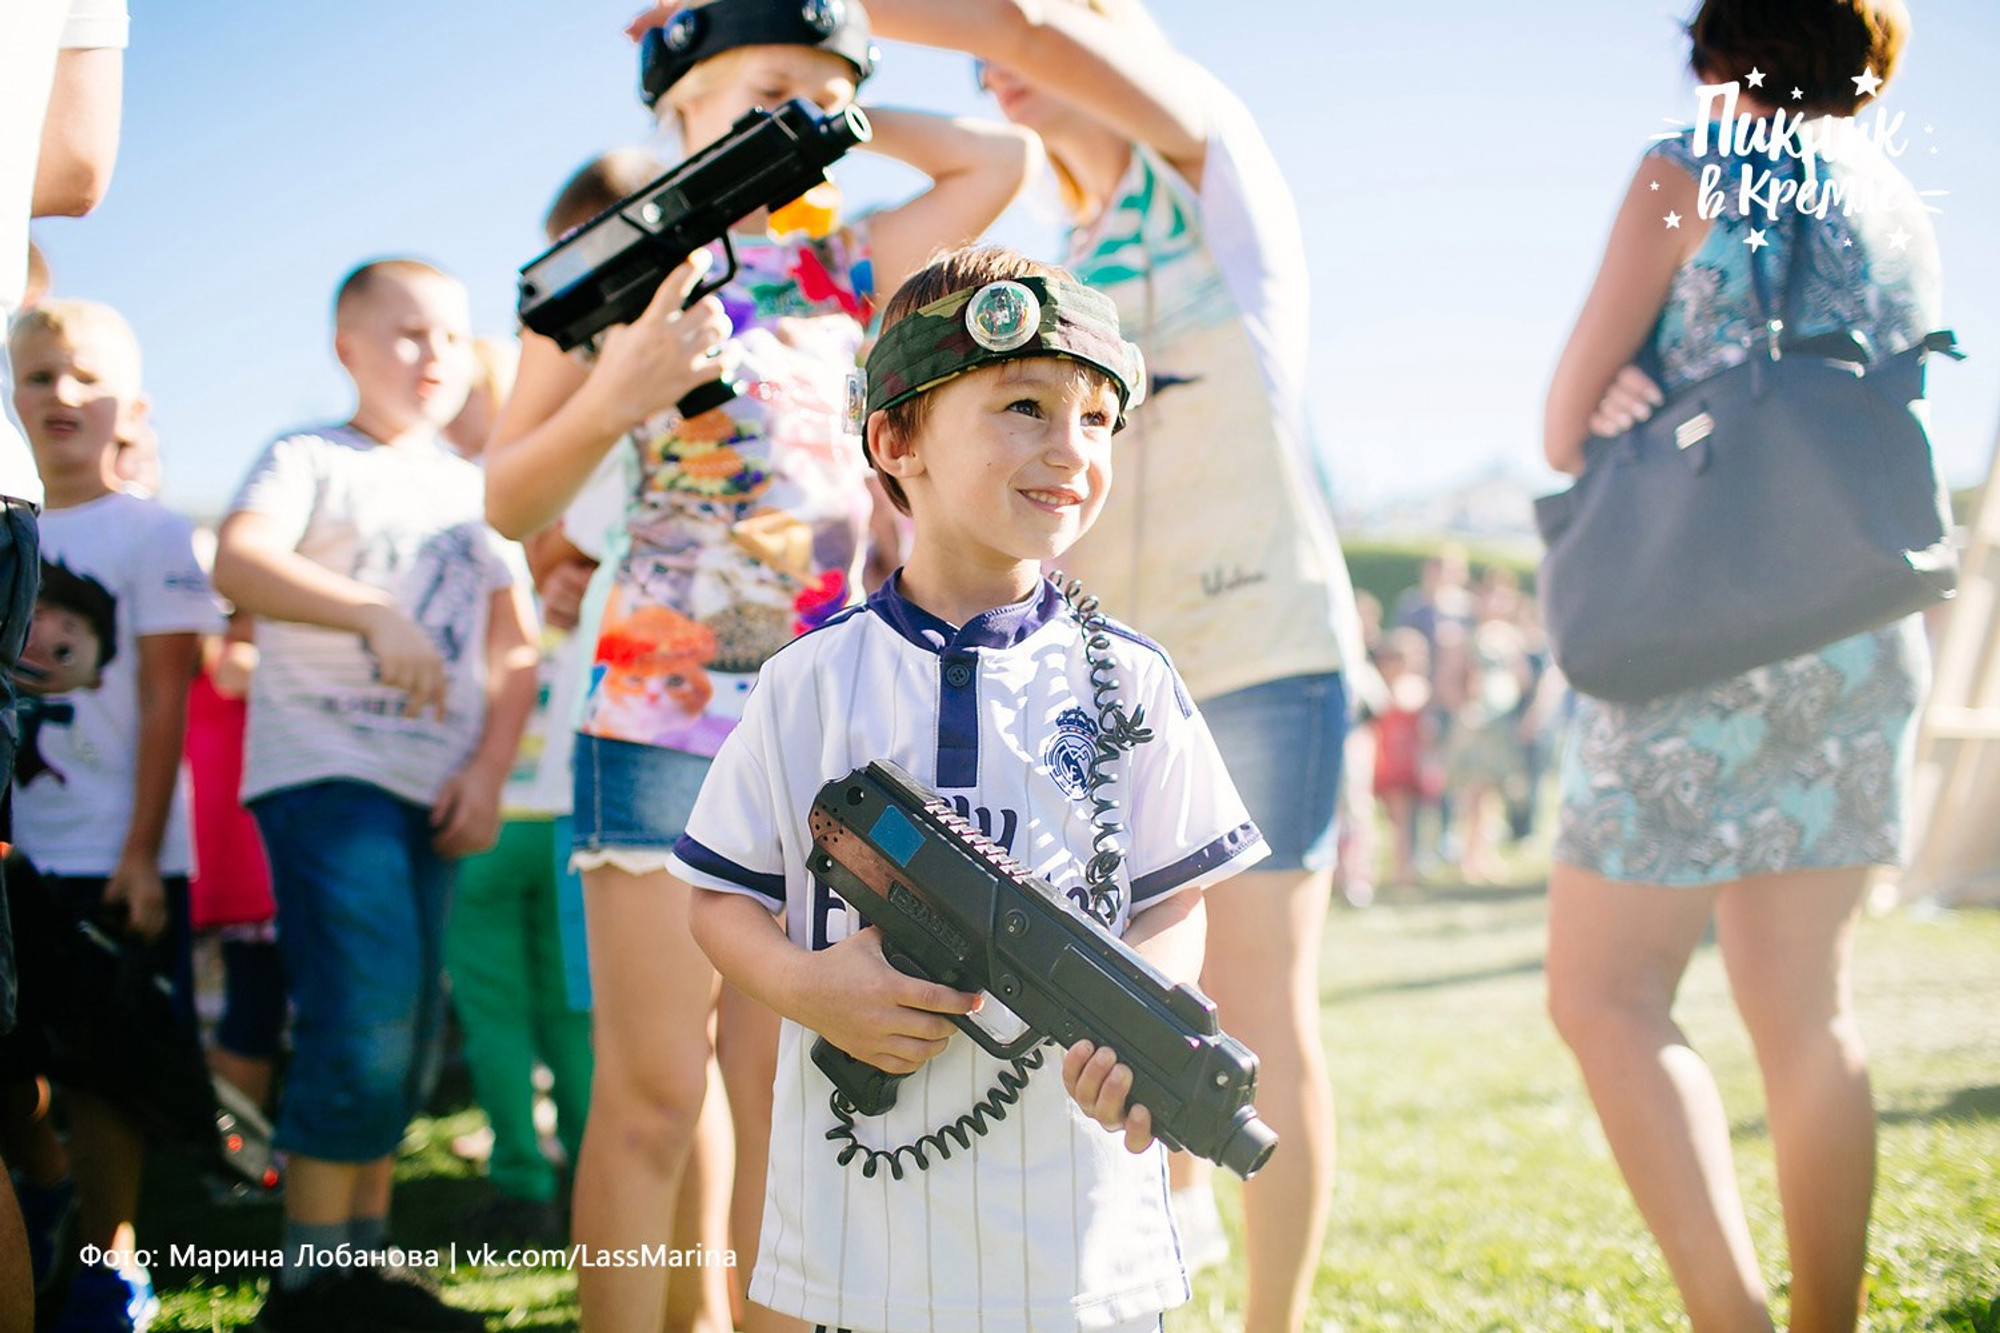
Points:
(993, 394)
(100, 806)
(396, 670)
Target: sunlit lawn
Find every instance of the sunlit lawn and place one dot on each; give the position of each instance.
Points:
(1475, 1191)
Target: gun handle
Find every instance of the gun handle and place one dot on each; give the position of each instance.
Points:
(707, 397)
(871, 1090)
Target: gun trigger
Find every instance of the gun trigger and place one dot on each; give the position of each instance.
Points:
(714, 283)
(905, 964)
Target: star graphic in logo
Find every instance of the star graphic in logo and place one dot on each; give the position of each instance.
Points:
(1866, 84)
(1755, 240)
(1755, 78)
(1798, 94)
(1899, 238)
(1673, 221)
(1652, 185)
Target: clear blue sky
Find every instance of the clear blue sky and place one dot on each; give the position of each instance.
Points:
(1456, 164)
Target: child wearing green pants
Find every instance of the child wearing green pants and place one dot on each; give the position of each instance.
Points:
(503, 951)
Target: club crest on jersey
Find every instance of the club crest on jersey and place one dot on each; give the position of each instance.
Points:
(1067, 753)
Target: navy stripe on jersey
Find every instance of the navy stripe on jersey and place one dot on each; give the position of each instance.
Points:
(1193, 866)
(958, 663)
(771, 888)
(958, 720)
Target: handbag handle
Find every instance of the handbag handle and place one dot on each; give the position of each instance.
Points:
(1901, 376)
(1775, 322)
(1842, 345)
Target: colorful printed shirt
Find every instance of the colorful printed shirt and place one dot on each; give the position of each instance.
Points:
(742, 527)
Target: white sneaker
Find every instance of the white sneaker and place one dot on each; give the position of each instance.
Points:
(1204, 1244)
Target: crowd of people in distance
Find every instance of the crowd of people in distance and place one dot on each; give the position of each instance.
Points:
(1455, 733)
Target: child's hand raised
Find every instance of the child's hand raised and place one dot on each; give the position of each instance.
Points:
(1102, 1086)
(648, 365)
(861, 1004)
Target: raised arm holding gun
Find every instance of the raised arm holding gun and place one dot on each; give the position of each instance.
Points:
(738, 527)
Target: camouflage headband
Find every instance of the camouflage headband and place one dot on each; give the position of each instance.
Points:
(1001, 321)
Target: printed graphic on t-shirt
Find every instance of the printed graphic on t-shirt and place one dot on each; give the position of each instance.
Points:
(73, 638)
(744, 521)
(117, 572)
(1210, 552)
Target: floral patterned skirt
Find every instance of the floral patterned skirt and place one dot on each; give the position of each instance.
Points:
(1800, 765)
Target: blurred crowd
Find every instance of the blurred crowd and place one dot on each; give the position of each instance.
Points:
(1456, 730)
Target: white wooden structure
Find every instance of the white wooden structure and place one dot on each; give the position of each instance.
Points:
(1956, 797)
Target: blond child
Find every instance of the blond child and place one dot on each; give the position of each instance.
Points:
(99, 803)
(397, 668)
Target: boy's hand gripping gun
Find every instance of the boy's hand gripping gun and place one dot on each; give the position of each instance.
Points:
(607, 271)
(956, 909)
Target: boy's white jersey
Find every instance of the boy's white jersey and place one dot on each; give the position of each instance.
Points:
(1048, 1223)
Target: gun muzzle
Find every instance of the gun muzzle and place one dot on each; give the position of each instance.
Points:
(1248, 1145)
(844, 131)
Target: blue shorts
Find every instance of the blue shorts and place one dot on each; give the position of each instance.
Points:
(361, 913)
(1282, 742)
(629, 795)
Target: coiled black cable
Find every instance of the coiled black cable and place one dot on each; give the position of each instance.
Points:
(1116, 733)
(993, 1106)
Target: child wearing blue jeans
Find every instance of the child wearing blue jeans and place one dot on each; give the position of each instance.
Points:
(397, 670)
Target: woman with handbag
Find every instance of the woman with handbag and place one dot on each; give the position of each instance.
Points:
(1758, 801)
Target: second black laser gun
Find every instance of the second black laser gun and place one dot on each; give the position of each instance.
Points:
(954, 908)
(607, 271)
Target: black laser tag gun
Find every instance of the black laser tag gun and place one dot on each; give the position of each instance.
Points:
(956, 909)
(606, 271)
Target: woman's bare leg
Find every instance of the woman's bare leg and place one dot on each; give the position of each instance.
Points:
(1262, 972)
(653, 991)
(1615, 959)
(1787, 940)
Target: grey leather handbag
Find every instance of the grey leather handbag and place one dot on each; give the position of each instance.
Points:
(1766, 511)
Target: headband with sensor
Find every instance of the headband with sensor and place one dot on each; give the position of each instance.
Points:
(699, 33)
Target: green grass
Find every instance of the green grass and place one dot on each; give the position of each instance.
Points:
(1475, 1190)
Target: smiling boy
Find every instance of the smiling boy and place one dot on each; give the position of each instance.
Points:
(993, 396)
